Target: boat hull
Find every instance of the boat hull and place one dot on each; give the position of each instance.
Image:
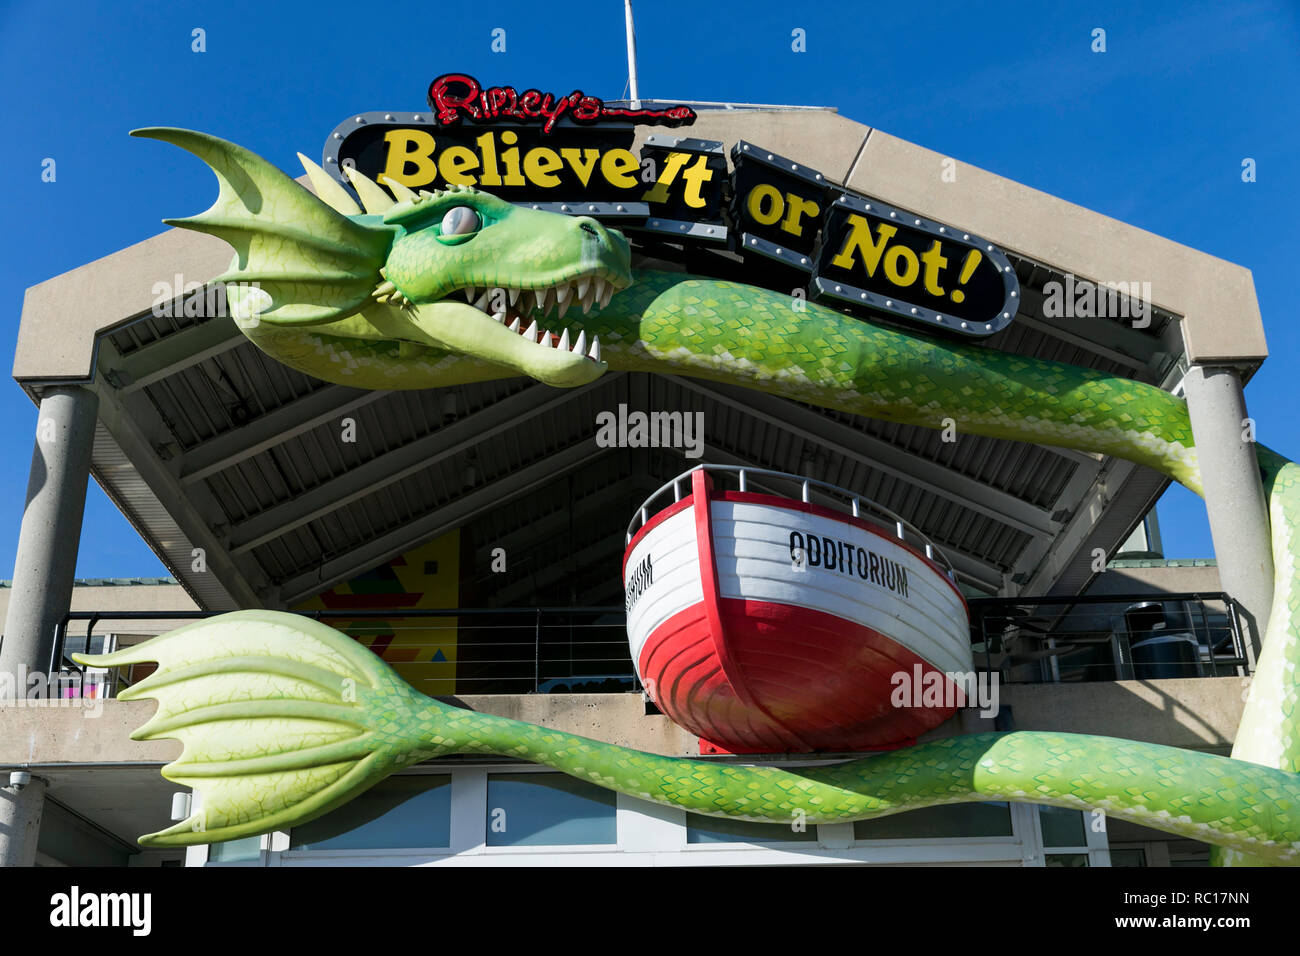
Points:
(765, 625)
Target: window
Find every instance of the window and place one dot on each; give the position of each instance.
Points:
(702, 829)
(947, 821)
(548, 809)
(409, 811)
(1133, 856)
(1062, 827)
(235, 851)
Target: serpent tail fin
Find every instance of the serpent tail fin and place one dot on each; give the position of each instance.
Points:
(282, 719)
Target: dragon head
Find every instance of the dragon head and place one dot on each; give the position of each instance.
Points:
(454, 271)
(480, 276)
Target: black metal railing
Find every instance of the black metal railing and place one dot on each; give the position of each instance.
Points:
(551, 650)
(1108, 637)
(440, 651)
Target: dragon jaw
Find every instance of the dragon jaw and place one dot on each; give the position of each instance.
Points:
(496, 291)
(512, 327)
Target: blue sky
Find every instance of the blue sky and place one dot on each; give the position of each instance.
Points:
(1152, 132)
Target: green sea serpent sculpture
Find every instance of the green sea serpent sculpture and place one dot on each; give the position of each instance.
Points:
(283, 719)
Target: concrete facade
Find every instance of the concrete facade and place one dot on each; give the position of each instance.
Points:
(51, 528)
(117, 596)
(1199, 714)
(1234, 493)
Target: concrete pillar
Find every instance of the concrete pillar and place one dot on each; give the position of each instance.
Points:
(20, 821)
(1234, 493)
(51, 528)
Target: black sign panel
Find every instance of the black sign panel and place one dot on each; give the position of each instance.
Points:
(689, 178)
(791, 229)
(881, 258)
(777, 205)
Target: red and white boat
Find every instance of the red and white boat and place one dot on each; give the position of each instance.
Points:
(769, 624)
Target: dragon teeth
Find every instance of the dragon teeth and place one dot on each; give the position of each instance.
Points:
(514, 326)
(580, 346)
(514, 296)
(594, 354)
(469, 294)
(564, 307)
(499, 317)
(562, 295)
(481, 302)
(564, 341)
(606, 294)
(583, 285)
(531, 332)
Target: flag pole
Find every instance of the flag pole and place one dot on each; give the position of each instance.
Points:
(631, 56)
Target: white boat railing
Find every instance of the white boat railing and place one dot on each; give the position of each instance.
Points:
(859, 507)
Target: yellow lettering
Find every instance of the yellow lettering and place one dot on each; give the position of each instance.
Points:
(540, 165)
(754, 202)
(619, 167)
(892, 257)
(859, 240)
(696, 176)
(487, 146)
(456, 162)
(934, 263)
(672, 165)
(410, 147)
(799, 207)
(511, 160)
(583, 169)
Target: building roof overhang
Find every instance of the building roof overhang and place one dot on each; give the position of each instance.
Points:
(206, 443)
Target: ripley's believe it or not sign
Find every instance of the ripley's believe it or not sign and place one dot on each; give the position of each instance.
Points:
(792, 228)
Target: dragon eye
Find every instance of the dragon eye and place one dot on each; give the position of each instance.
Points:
(460, 221)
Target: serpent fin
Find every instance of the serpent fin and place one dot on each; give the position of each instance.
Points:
(372, 196)
(400, 192)
(327, 190)
(313, 264)
(281, 719)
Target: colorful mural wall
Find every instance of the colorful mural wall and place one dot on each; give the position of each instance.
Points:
(421, 649)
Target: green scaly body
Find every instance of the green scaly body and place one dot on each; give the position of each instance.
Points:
(295, 746)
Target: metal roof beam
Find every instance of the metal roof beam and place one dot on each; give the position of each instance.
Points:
(1140, 349)
(399, 463)
(559, 520)
(174, 353)
(555, 572)
(274, 428)
(129, 428)
(884, 457)
(440, 520)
